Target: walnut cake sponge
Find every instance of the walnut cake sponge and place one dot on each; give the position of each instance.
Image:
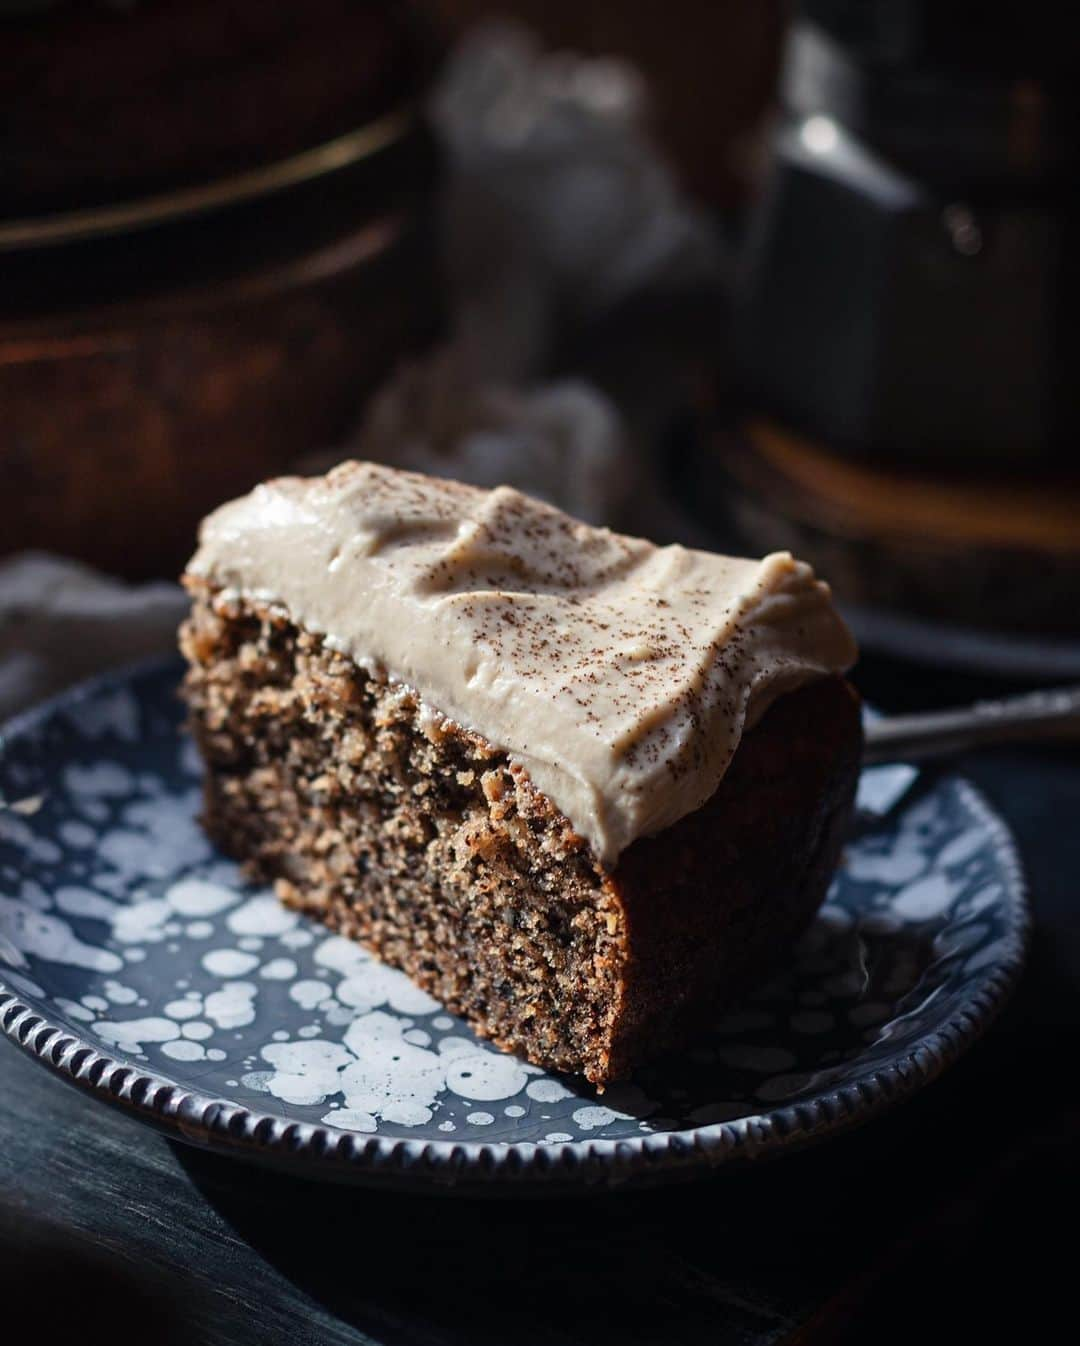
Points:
(577, 786)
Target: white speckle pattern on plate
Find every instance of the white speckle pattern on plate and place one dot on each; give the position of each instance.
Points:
(135, 958)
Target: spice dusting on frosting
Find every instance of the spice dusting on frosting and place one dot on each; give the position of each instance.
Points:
(619, 674)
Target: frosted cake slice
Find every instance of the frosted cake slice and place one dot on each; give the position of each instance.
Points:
(579, 787)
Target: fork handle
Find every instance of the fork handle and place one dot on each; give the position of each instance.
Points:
(1053, 714)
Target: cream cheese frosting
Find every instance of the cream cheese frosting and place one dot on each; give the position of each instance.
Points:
(619, 674)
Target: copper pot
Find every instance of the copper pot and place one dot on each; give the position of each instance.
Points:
(164, 350)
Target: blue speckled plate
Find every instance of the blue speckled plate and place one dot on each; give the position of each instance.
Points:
(137, 963)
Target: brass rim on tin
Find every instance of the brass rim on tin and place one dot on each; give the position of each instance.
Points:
(125, 216)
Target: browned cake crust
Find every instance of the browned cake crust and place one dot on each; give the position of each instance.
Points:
(419, 838)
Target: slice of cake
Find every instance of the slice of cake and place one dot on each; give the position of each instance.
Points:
(578, 786)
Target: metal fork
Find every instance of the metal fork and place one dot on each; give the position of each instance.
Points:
(1051, 715)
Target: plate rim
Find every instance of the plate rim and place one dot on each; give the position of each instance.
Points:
(318, 1150)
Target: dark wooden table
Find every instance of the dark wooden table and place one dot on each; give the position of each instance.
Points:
(946, 1221)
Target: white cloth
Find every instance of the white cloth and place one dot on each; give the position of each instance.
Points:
(61, 621)
(558, 203)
